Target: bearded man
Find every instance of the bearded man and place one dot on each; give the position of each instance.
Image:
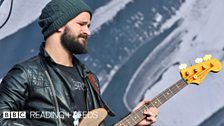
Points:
(55, 82)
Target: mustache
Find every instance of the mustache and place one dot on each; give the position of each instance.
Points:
(85, 36)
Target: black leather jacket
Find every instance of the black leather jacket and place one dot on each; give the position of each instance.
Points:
(30, 86)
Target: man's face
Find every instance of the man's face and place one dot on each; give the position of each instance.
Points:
(76, 32)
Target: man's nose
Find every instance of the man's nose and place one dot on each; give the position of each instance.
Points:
(86, 30)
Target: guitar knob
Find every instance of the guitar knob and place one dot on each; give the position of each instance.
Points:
(211, 64)
(195, 77)
(195, 70)
(198, 60)
(187, 73)
(207, 57)
(182, 66)
(203, 67)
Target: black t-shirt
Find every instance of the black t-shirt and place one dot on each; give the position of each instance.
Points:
(77, 88)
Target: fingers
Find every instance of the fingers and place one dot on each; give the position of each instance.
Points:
(144, 123)
(152, 111)
(151, 114)
(151, 119)
(146, 101)
(141, 104)
(147, 121)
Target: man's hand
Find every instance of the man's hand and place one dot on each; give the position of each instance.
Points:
(150, 113)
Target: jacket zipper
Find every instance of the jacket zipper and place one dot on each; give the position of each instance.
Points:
(54, 96)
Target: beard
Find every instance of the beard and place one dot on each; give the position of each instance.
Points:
(72, 44)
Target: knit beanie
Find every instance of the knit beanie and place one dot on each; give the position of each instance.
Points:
(58, 12)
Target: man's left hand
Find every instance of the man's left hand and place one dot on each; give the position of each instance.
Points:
(150, 113)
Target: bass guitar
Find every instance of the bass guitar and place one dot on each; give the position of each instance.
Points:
(190, 75)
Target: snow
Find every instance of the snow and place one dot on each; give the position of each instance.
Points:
(23, 13)
(106, 13)
(17, 20)
(201, 34)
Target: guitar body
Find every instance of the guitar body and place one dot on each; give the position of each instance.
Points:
(94, 117)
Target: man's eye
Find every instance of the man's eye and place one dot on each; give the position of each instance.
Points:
(84, 24)
(81, 24)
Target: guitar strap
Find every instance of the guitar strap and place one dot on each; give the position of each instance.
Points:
(86, 74)
(93, 83)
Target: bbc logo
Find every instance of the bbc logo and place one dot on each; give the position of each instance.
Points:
(14, 114)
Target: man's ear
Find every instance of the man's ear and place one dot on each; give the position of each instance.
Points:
(60, 29)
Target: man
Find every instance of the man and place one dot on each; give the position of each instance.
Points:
(55, 81)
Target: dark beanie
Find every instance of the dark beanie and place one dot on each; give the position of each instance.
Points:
(58, 12)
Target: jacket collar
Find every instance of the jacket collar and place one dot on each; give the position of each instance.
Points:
(83, 70)
(43, 53)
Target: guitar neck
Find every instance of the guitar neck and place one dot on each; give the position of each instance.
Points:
(136, 116)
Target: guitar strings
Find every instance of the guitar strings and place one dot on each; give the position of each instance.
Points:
(140, 112)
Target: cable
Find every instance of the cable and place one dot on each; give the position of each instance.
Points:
(10, 12)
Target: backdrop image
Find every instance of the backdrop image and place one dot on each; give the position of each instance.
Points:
(135, 48)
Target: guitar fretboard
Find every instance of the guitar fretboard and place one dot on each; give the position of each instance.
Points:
(135, 117)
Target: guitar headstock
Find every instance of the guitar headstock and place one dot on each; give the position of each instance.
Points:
(196, 74)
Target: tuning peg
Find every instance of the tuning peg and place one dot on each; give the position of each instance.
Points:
(207, 57)
(198, 60)
(182, 66)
